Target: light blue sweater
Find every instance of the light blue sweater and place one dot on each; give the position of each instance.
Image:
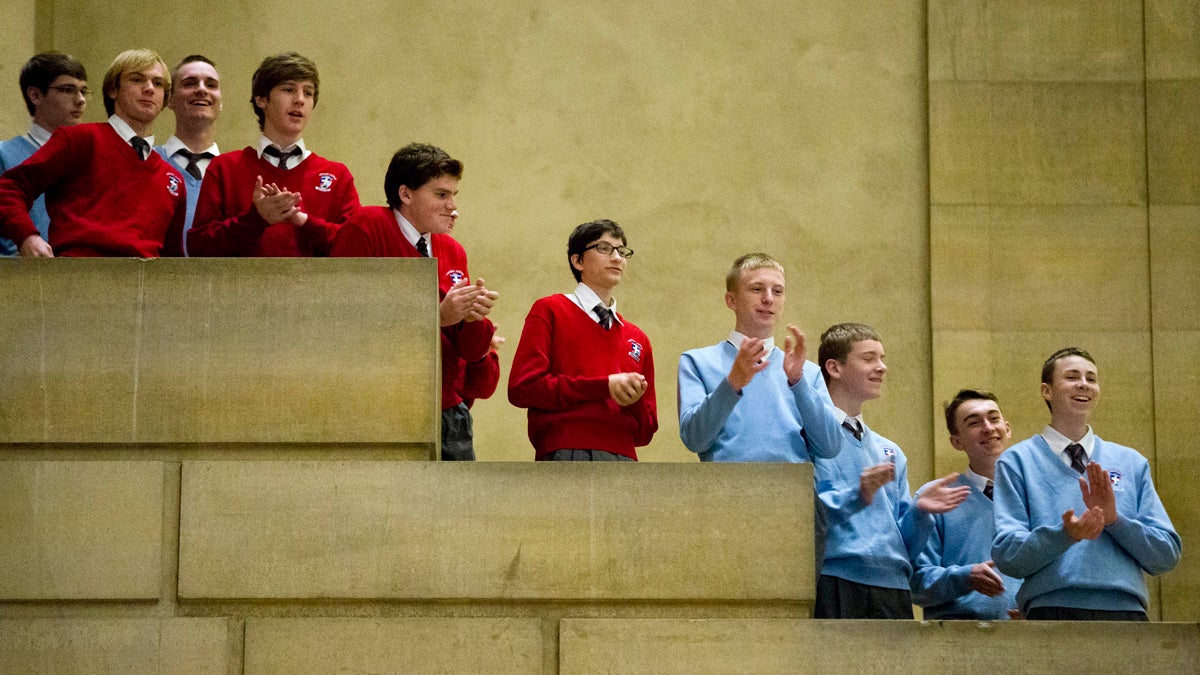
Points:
(761, 424)
(193, 192)
(960, 539)
(868, 544)
(1033, 487)
(12, 152)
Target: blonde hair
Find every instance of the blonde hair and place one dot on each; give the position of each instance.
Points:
(135, 60)
(746, 263)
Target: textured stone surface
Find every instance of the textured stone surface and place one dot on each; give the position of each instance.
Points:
(852, 647)
(218, 351)
(555, 531)
(80, 530)
(320, 645)
(116, 646)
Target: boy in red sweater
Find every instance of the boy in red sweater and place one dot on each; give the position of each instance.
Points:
(279, 198)
(421, 183)
(107, 194)
(584, 372)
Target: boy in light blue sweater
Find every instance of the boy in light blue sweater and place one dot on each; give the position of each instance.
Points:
(737, 398)
(1083, 567)
(955, 577)
(871, 526)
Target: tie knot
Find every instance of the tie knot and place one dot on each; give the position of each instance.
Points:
(605, 314)
(853, 427)
(987, 489)
(193, 167)
(422, 247)
(142, 147)
(281, 157)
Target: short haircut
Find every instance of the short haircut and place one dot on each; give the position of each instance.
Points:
(135, 60)
(960, 398)
(415, 165)
(43, 69)
(838, 341)
(746, 263)
(277, 69)
(1048, 366)
(191, 58)
(587, 234)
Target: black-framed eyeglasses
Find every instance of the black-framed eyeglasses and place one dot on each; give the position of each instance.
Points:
(605, 248)
(72, 90)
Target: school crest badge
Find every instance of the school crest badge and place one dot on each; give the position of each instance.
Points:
(456, 276)
(325, 182)
(889, 452)
(173, 184)
(635, 350)
(1115, 477)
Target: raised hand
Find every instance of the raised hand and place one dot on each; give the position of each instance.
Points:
(941, 496)
(751, 360)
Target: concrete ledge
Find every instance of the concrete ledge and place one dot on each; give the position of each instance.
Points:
(853, 647)
(118, 646)
(198, 350)
(393, 646)
(80, 530)
(545, 531)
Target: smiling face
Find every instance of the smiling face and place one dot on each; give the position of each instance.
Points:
(286, 110)
(197, 92)
(860, 377)
(757, 302)
(981, 432)
(56, 108)
(139, 96)
(431, 208)
(598, 271)
(1073, 389)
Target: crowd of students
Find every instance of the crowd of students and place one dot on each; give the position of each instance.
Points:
(1060, 526)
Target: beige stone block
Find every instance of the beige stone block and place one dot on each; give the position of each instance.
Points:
(1039, 268)
(321, 645)
(1176, 382)
(116, 646)
(1173, 141)
(554, 531)
(852, 647)
(1172, 39)
(80, 530)
(1174, 258)
(1052, 143)
(219, 351)
(1055, 40)
(1010, 364)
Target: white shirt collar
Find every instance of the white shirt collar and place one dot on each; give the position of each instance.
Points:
(263, 142)
(125, 131)
(410, 232)
(587, 299)
(174, 145)
(1058, 443)
(841, 416)
(736, 339)
(37, 134)
(975, 479)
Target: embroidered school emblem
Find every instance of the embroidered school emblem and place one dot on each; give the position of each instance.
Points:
(173, 184)
(324, 182)
(1115, 477)
(635, 351)
(889, 451)
(455, 276)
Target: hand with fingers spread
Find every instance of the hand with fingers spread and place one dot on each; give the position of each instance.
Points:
(626, 388)
(273, 204)
(942, 495)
